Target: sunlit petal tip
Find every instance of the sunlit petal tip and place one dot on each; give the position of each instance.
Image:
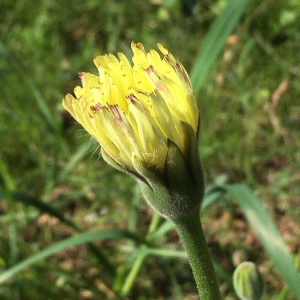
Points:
(110, 58)
(78, 91)
(84, 78)
(68, 98)
(100, 62)
(67, 101)
(184, 76)
(133, 47)
(122, 56)
(68, 104)
(162, 49)
(138, 48)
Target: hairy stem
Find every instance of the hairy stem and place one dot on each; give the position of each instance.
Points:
(191, 233)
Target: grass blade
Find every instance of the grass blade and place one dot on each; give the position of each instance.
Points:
(170, 254)
(215, 40)
(160, 253)
(32, 88)
(267, 233)
(46, 208)
(78, 239)
(41, 206)
(74, 160)
(175, 284)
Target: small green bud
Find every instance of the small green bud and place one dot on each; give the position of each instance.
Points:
(248, 282)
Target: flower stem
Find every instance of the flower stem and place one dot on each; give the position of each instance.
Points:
(191, 233)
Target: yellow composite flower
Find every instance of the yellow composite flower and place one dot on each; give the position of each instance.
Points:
(134, 111)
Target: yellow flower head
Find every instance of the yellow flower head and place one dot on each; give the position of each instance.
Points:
(134, 111)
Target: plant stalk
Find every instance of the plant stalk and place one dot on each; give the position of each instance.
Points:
(191, 233)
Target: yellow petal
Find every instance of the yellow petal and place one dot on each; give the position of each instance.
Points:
(132, 111)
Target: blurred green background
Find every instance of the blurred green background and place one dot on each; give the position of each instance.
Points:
(54, 184)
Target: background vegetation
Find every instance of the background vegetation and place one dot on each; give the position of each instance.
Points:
(54, 184)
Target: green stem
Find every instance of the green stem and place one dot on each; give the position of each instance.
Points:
(191, 233)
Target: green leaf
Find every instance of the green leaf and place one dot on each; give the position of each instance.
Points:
(267, 233)
(160, 253)
(42, 207)
(5, 177)
(215, 40)
(167, 253)
(78, 239)
(46, 208)
(74, 160)
(174, 280)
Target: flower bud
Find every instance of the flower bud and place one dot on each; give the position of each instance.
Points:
(248, 282)
(146, 119)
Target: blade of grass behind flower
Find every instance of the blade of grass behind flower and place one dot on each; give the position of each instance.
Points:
(267, 233)
(167, 253)
(41, 206)
(40, 101)
(78, 239)
(74, 160)
(5, 177)
(174, 281)
(46, 208)
(215, 40)
(284, 294)
(24, 283)
(74, 285)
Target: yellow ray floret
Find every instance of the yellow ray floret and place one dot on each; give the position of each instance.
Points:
(132, 111)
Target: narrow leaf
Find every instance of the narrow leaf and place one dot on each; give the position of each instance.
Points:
(73, 161)
(215, 40)
(267, 233)
(78, 239)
